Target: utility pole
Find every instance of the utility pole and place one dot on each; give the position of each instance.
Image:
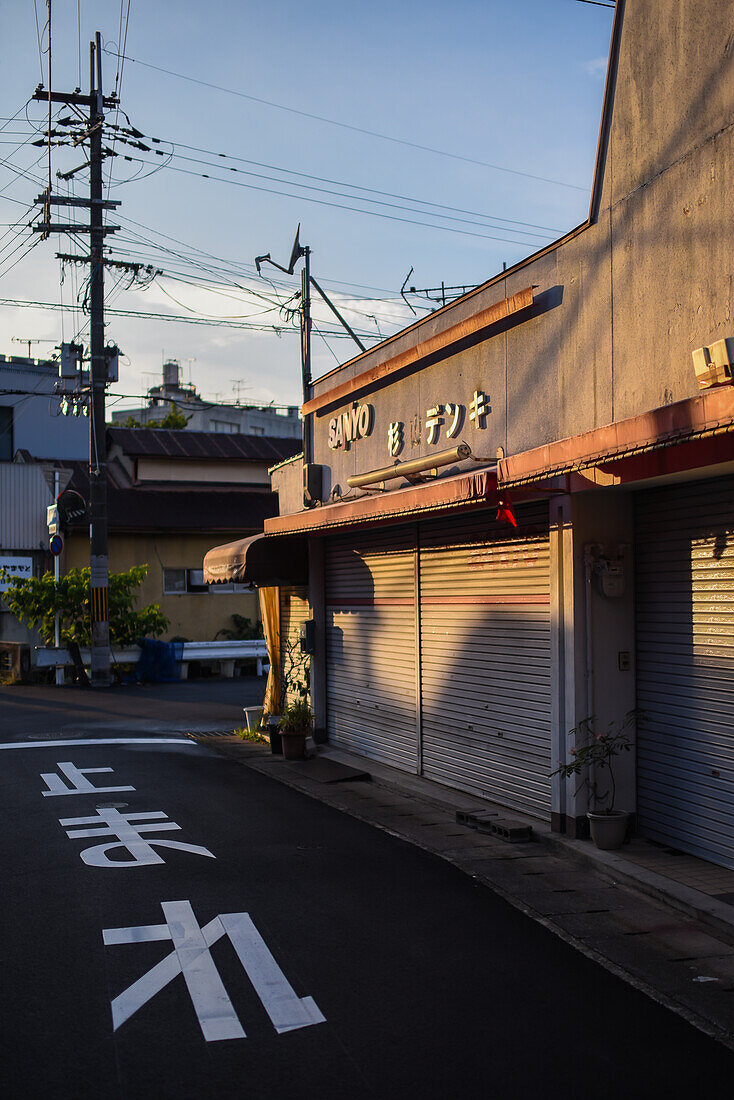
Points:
(306, 350)
(98, 558)
(307, 281)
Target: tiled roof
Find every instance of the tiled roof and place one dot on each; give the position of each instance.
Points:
(177, 507)
(194, 510)
(166, 443)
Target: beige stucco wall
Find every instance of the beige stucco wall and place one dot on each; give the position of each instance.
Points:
(287, 481)
(622, 304)
(196, 616)
(177, 469)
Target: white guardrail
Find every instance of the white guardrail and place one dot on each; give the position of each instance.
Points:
(224, 652)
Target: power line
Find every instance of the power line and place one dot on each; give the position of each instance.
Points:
(337, 205)
(341, 183)
(149, 316)
(359, 198)
(226, 266)
(355, 129)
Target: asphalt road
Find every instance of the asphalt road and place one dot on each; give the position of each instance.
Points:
(294, 952)
(196, 706)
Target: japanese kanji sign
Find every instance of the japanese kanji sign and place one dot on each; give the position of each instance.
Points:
(448, 416)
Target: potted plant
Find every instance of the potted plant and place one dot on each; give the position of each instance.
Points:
(294, 686)
(592, 755)
(295, 725)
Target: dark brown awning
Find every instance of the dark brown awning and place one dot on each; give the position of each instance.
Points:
(260, 559)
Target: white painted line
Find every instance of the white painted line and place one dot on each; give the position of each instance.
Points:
(192, 943)
(217, 1017)
(145, 933)
(141, 991)
(110, 822)
(191, 957)
(79, 784)
(287, 1011)
(99, 741)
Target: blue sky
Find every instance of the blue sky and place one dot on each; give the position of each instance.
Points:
(515, 85)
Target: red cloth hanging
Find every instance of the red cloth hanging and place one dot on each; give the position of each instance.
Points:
(505, 514)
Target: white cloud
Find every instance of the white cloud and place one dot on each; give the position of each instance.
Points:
(595, 68)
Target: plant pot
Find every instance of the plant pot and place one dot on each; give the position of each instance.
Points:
(294, 745)
(608, 831)
(276, 745)
(253, 717)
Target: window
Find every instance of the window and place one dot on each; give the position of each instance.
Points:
(230, 587)
(174, 582)
(195, 581)
(224, 426)
(182, 582)
(6, 433)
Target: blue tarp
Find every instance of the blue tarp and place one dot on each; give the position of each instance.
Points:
(159, 662)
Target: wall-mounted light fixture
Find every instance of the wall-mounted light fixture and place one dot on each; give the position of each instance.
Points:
(713, 364)
(410, 470)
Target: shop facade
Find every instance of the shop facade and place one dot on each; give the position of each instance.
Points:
(518, 511)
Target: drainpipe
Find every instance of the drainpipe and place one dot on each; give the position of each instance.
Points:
(591, 550)
(589, 558)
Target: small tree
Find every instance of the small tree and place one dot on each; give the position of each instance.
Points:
(36, 601)
(174, 418)
(242, 630)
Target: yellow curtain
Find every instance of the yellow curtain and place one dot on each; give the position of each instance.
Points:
(270, 613)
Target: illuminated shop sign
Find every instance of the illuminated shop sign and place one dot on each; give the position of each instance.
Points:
(446, 415)
(348, 427)
(443, 420)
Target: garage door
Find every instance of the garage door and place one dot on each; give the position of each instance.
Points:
(685, 667)
(371, 645)
(485, 654)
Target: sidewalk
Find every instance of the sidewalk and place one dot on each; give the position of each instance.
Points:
(660, 920)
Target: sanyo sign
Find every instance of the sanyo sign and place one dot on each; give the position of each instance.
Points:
(350, 426)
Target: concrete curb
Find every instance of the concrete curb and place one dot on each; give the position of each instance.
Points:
(716, 915)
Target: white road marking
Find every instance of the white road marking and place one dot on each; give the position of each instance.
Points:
(76, 776)
(99, 741)
(128, 836)
(217, 1017)
(191, 957)
(287, 1011)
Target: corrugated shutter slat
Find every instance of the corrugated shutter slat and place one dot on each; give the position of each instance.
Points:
(486, 693)
(685, 667)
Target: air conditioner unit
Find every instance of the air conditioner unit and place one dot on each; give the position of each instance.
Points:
(713, 364)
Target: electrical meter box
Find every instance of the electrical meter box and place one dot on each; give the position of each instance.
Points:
(308, 637)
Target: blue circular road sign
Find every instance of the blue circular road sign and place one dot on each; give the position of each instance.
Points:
(56, 545)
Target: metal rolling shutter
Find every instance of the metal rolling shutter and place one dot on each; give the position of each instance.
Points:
(294, 609)
(685, 667)
(485, 651)
(371, 645)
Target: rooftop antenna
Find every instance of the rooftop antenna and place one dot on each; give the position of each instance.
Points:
(446, 293)
(28, 341)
